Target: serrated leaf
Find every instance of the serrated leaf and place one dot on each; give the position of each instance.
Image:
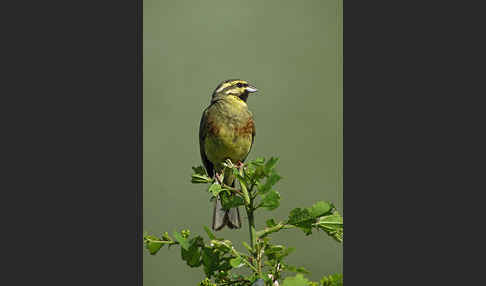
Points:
(299, 215)
(200, 179)
(199, 170)
(215, 189)
(298, 280)
(210, 261)
(270, 165)
(153, 244)
(269, 183)
(259, 173)
(274, 248)
(271, 200)
(236, 262)
(231, 201)
(319, 209)
(184, 243)
(259, 161)
(278, 252)
(192, 255)
(296, 269)
(332, 280)
(333, 225)
(154, 247)
(302, 219)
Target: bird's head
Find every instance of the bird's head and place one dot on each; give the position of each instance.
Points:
(234, 87)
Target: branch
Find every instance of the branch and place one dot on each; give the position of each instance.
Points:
(275, 228)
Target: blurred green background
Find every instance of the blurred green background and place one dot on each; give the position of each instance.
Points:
(292, 52)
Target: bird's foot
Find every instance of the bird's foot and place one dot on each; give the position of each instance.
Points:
(239, 164)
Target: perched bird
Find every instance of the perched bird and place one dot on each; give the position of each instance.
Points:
(226, 131)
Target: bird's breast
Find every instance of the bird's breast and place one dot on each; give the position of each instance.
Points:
(230, 134)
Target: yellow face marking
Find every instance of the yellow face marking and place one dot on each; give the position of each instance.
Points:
(223, 86)
(235, 90)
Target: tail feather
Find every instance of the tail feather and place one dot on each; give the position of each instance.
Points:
(222, 217)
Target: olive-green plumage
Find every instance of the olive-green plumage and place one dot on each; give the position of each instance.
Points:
(226, 131)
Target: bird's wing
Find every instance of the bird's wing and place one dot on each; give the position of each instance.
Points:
(203, 131)
(253, 133)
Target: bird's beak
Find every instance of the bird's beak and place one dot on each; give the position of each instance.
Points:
(251, 89)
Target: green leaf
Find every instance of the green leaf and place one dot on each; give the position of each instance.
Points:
(333, 225)
(209, 232)
(298, 280)
(320, 208)
(210, 261)
(270, 165)
(236, 262)
(192, 255)
(199, 170)
(269, 183)
(274, 249)
(332, 280)
(271, 222)
(296, 269)
(303, 219)
(231, 201)
(200, 179)
(181, 239)
(271, 200)
(278, 252)
(299, 215)
(206, 282)
(259, 161)
(215, 189)
(153, 244)
(259, 173)
(165, 236)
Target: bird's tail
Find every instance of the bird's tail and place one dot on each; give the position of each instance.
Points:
(222, 217)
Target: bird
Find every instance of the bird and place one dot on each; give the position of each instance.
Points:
(226, 131)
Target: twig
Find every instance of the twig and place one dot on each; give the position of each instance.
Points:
(269, 230)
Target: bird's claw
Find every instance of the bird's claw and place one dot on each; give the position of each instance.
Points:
(239, 164)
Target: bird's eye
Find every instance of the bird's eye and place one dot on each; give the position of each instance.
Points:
(239, 84)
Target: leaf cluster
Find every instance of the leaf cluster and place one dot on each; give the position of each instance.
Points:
(300, 280)
(265, 261)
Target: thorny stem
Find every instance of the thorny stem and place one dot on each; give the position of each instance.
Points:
(269, 230)
(162, 241)
(249, 207)
(235, 253)
(251, 224)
